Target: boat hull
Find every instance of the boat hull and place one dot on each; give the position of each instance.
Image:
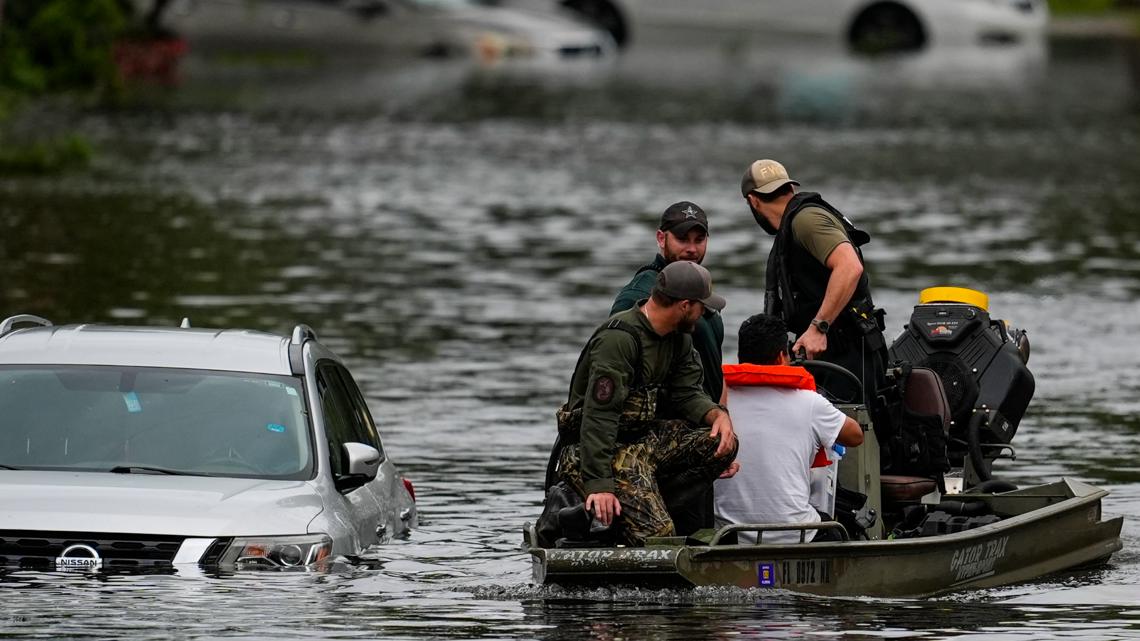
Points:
(1048, 528)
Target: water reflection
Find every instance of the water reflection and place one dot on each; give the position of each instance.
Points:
(787, 616)
(132, 251)
(771, 81)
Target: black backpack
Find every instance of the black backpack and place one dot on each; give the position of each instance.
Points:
(912, 423)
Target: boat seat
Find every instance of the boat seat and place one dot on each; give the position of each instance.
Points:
(905, 489)
(925, 394)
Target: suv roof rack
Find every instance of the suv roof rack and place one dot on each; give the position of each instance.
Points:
(302, 333)
(10, 322)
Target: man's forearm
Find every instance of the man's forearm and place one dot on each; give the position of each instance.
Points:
(713, 414)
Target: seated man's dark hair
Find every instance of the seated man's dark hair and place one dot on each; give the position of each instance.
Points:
(762, 339)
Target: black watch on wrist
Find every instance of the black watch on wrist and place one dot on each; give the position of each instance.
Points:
(821, 325)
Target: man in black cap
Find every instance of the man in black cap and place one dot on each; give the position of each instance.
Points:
(683, 235)
(617, 447)
(815, 280)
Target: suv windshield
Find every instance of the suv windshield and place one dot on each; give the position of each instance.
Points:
(147, 420)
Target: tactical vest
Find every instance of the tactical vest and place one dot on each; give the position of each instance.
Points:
(640, 404)
(796, 282)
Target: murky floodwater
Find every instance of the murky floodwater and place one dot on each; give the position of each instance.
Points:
(456, 233)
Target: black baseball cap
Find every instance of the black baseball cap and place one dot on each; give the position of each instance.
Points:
(680, 217)
(685, 280)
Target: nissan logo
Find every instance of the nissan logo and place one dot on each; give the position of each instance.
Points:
(79, 557)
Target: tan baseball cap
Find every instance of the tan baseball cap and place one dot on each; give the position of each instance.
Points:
(765, 176)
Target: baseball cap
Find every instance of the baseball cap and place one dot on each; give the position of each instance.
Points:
(680, 217)
(765, 176)
(689, 281)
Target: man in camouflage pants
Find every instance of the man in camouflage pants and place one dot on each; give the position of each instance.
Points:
(637, 368)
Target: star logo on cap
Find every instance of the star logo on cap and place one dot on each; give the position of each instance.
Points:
(689, 212)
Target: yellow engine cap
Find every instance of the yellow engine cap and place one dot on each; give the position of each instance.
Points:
(954, 295)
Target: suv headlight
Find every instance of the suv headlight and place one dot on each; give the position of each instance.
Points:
(250, 552)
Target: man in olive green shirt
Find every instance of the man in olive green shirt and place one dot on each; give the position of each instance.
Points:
(815, 280)
(640, 358)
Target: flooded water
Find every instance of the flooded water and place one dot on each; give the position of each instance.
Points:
(456, 232)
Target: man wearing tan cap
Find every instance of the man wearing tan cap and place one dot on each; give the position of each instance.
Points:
(614, 448)
(815, 279)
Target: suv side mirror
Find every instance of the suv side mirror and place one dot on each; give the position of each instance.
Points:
(363, 463)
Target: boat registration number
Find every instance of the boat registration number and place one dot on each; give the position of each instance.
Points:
(794, 572)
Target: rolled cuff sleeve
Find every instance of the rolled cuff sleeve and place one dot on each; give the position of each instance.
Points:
(700, 409)
(595, 486)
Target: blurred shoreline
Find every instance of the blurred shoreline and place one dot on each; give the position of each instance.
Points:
(1124, 25)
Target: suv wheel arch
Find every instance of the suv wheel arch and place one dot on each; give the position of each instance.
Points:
(886, 26)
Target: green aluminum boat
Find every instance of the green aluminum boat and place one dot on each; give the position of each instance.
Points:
(919, 531)
(1044, 529)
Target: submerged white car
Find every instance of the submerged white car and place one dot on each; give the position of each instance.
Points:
(145, 448)
(865, 25)
(438, 28)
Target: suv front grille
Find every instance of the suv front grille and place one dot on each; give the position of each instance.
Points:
(39, 550)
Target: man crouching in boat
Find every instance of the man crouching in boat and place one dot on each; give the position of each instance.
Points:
(783, 423)
(636, 405)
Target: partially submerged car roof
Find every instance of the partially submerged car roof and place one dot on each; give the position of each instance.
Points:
(173, 347)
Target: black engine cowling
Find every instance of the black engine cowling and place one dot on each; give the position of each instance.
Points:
(982, 362)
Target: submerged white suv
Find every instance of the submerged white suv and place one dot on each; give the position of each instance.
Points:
(143, 448)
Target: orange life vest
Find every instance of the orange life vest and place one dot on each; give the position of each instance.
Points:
(749, 375)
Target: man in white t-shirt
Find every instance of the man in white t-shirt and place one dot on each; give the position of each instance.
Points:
(781, 423)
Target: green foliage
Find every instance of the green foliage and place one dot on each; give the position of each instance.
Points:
(45, 157)
(1068, 7)
(50, 46)
(56, 45)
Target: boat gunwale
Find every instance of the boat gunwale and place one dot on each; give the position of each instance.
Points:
(919, 545)
(680, 563)
(1080, 494)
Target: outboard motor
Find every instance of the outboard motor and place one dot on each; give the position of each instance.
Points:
(982, 364)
